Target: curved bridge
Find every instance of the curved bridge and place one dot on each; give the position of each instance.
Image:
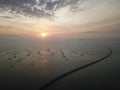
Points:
(77, 69)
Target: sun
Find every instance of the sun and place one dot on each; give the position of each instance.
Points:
(43, 34)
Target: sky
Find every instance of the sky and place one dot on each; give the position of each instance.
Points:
(60, 18)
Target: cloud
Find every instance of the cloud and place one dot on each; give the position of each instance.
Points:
(39, 8)
(6, 17)
(91, 32)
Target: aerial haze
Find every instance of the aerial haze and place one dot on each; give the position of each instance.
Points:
(59, 44)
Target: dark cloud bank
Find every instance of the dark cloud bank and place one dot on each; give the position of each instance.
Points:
(39, 8)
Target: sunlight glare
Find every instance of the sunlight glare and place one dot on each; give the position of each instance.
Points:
(43, 34)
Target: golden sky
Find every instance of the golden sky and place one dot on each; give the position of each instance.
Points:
(59, 18)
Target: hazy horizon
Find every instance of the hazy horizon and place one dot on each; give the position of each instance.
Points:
(60, 18)
(59, 44)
